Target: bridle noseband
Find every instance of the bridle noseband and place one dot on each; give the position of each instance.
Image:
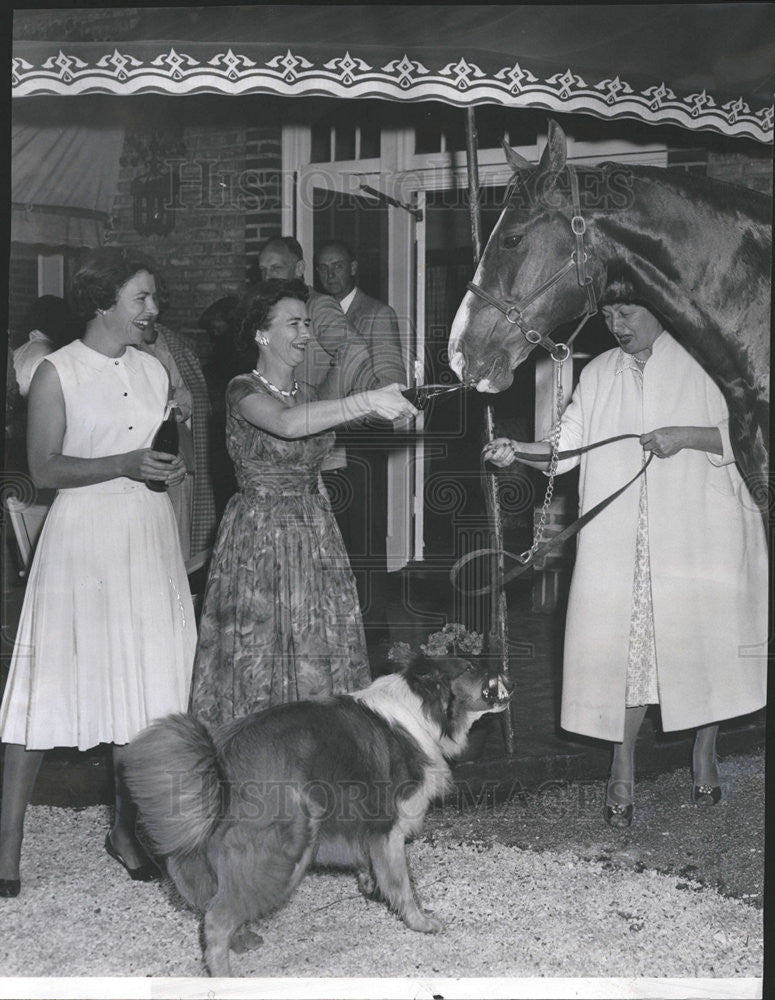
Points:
(578, 259)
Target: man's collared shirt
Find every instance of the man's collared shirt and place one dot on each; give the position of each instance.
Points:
(347, 301)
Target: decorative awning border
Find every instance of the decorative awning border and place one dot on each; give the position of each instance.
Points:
(287, 74)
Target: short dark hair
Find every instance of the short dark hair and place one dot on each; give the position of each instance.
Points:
(257, 305)
(287, 242)
(620, 290)
(51, 315)
(335, 245)
(100, 277)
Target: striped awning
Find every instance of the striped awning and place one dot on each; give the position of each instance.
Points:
(698, 66)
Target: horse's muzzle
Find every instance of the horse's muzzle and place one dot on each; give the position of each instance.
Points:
(492, 373)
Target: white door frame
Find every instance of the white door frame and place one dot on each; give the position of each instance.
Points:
(51, 274)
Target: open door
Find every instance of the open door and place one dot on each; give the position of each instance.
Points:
(368, 207)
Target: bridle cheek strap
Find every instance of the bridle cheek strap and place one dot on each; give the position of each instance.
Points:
(578, 260)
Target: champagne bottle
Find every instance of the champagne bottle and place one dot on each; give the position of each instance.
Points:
(419, 395)
(167, 440)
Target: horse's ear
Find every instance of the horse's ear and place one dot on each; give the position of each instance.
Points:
(517, 161)
(555, 151)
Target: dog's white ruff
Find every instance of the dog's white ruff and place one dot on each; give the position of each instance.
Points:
(392, 698)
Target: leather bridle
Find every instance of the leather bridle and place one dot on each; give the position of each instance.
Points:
(513, 311)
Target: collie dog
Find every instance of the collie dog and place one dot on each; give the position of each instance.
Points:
(240, 815)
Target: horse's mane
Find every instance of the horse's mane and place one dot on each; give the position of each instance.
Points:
(720, 195)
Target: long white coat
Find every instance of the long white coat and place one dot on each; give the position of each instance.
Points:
(707, 548)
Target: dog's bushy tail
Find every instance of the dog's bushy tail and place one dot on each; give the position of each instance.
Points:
(171, 770)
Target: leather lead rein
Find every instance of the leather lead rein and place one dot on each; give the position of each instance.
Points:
(555, 540)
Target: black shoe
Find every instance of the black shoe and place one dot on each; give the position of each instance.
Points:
(10, 887)
(616, 814)
(705, 795)
(143, 873)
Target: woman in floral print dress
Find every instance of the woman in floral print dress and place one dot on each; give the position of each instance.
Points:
(280, 619)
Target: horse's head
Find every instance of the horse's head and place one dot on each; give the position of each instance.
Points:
(527, 280)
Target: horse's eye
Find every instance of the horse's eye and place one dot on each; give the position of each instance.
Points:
(511, 241)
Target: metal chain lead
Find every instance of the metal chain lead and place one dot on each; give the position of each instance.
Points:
(538, 536)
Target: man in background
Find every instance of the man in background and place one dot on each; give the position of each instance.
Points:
(375, 321)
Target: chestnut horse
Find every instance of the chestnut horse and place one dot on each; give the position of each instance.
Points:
(697, 251)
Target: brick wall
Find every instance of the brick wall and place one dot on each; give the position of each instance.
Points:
(22, 288)
(262, 174)
(227, 201)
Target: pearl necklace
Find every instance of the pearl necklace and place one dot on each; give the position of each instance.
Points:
(290, 393)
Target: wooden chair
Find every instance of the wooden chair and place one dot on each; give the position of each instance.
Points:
(26, 521)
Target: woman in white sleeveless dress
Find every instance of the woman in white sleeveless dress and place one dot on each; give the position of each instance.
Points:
(107, 635)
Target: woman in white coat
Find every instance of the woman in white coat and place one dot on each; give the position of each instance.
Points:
(668, 602)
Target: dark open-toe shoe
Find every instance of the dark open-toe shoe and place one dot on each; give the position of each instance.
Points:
(617, 814)
(705, 795)
(143, 873)
(10, 887)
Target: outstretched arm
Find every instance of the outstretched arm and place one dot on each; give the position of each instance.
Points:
(311, 418)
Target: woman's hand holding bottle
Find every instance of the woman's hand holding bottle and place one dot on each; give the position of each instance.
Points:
(145, 465)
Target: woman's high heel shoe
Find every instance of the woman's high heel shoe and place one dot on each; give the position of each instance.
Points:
(617, 814)
(705, 795)
(143, 873)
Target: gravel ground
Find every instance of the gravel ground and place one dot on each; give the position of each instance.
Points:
(721, 847)
(538, 887)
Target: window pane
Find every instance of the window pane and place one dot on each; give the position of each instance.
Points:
(370, 140)
(321, 143)
(427, 134)
(344, 144)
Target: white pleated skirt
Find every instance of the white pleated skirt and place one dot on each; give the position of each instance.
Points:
(107, 635)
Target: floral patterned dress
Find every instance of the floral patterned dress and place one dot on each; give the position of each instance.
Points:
(642, 687)
(280, 620)
(642, 678)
